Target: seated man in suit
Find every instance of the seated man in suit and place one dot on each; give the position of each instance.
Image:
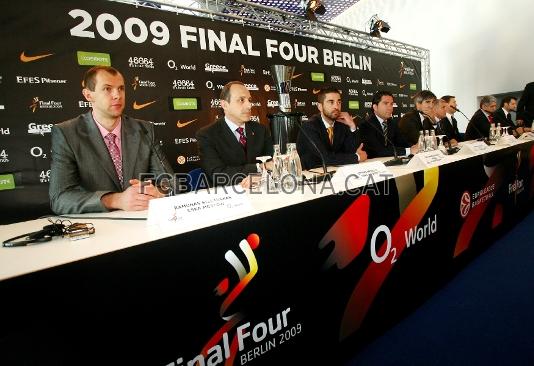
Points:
(414, 121)
(449, 125)
(333, 132)
(99, 157)
(380, 134)
(503, 116)
(525, 107)
(438, 114)
(229, 146)
(480, 123)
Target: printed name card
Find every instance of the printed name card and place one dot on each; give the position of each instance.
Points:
(473, 148)
(428, 159)
(210, 205)
(358, 175)
(508, 140)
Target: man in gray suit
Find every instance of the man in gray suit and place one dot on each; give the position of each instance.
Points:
(98, 157)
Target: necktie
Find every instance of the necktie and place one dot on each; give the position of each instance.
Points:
(242, 137)
(509, 118)
(490, 118)
(330, 131)
(385, 129)
(115, 154)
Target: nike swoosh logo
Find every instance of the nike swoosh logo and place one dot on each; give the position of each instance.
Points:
(25, 58)
(183, 124)
(402, 86)
(316, 91)
(141, 106)
(295, 76)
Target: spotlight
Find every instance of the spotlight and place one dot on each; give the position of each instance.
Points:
(314, 7)
(377, 25)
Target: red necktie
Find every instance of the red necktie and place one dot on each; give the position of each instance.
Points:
(115, 154)
(490, 117)
(242, 137)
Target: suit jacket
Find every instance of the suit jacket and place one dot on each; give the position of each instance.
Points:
(478, 126)
(82, 170)
(410, 124)
(221, 153)
(500, 117)
(525, 106)
(374, 141)
(341, 152)
(450, 129)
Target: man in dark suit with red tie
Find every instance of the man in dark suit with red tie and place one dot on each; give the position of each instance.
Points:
(229, 146)
(332, 131)
(380, 133)
(480, 123)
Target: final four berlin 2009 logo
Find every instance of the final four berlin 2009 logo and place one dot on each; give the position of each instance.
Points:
(236, 335)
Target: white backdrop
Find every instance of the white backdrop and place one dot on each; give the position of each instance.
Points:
(476, 47)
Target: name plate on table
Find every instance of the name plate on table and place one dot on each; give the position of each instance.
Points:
(200, 206)
(527, 136)
(473, 148)
(358, 175)
(508, 140)
(428, 159)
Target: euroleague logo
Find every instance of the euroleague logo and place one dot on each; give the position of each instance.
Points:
(465, 204)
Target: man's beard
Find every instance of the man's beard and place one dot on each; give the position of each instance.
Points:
(333, 115)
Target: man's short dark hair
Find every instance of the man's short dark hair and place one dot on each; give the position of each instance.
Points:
(225, 92)
(447, 98)
(423, 95)
(377, 97)
(89, 79)
(507, 99)
(322, 93)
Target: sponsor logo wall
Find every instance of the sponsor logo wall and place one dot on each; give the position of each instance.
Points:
(174, 67)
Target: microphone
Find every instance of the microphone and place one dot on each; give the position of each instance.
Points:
(326, 176)
(396, 159)
(483, 138)
(156, 148)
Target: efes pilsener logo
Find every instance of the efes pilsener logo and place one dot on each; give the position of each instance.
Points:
(28, 58)
(181, 124)
(137, 106)
(93, 58)
(317, 76)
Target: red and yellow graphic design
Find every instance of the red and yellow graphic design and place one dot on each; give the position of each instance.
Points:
(247, 245)
(350, 237)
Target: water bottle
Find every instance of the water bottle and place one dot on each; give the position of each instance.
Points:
(294, 165)
(421, 141)
(498, 132)
(492, 133)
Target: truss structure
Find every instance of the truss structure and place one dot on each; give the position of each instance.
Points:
(260, 16)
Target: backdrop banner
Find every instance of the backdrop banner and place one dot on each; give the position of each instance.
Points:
(174, 68)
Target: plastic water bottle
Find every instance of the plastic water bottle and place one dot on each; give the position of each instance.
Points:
(433, 140)
(421, 142)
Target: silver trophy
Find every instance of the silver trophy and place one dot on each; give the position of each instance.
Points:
(282, 76)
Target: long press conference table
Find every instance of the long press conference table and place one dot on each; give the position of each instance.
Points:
(297, 277)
